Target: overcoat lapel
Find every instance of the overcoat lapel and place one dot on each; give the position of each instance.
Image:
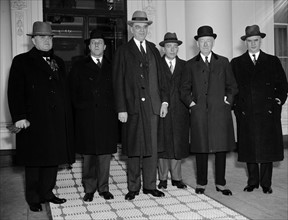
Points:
(40, 62)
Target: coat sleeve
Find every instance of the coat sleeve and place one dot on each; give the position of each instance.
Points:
(281, 85)
(186, 86)
(231, 88)
(16, 90)
(118, 78)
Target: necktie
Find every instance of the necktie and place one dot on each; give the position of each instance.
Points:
(254, 59)
(142, 49)
(206, 61)
(99, 63)
(171, 67)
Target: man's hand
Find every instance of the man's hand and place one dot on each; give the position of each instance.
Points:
(22, 123)
(164, 110)
(225, 100)
(123, 116)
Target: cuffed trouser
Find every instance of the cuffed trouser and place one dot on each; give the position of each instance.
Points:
(172, 165)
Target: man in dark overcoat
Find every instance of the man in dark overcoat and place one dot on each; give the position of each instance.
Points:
(96, 123)
(40, 107)
(208, 88)
(176, 123)
(141, 96)
(262, 92)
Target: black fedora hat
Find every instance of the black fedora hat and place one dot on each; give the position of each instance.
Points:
(139, 17)
(42, 29)
(252, 30)
(95, 34)
(205, 31)
(170, 38)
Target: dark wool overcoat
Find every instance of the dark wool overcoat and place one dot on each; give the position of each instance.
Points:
(131, 90)
(36, 94)
(96, 123)
(211, 119)
(176, 123)
(258, 114)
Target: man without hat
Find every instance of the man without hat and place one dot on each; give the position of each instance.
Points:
(141, 98)
(208, 88)
(95, 117)
(262, 92)
(40, 108)
(175, 125)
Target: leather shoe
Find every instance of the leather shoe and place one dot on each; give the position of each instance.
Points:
(106, 195)
(250, 188)
(179, 184)
(131, 195)
(267, 190)
(154, 192)
(35, 207)
(56, 200)
(199, 190)
(162, 184)
(88, 197)
(226, 192)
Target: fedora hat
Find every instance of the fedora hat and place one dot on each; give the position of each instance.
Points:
(139, 17)
(205, 31)
(95, 34)
(170, 38)
(42, 29)
(252, 30)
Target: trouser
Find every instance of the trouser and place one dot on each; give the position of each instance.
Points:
(96, 169)
(39, 183)
(202, 168)
(262, 176)
(164, 165)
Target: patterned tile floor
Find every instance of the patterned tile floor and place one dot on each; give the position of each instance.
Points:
(177, 203)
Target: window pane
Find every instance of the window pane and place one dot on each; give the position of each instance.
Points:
(281, 11)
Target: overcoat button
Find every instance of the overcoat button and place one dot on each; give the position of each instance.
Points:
(270, 112)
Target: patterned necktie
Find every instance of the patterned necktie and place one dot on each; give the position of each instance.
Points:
(254, 59)
(99, 63)
(171, 67)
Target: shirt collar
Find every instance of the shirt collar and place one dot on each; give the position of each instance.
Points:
(168, 61)
(256, 55)
(95, 59)
(209, 57)
(138, 43)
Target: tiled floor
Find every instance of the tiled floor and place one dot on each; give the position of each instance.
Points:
(255, 205)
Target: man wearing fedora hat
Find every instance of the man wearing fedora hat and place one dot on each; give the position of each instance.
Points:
(176, 123)
(141, 97)
(262, 92)
(40, 108)
(208, 88)
(95, 117)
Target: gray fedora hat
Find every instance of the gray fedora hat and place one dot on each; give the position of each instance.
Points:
(139, 17)
(170, 38)
(41, 28)
(204, 31)
(252, 30)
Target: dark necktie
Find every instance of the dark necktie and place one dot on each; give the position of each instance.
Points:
(142, 49)
(207, 62)
(99, 63)
(254, 59)
(171, 67)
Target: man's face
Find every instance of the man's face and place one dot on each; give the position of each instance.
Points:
(139, 31)
(205, 44)
(253, 44)
(97, 47)
(171, 50)
(43, 43)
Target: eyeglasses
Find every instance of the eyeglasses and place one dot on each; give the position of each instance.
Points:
(138, 27)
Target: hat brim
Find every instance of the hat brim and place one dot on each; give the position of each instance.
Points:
(262, 35)
(162, 43)
(40, 34)
(130, 23)
(205, 35)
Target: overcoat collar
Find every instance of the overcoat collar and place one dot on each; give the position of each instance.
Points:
(214, 55)
(134, 49)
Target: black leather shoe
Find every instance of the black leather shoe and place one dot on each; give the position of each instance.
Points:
(56, 200)
(267, 190)
(179, 184)
(106, 195)
(35, 207)
(199, 190)
(250, 188)
(226, 192)
(162, 184)
(88, 197)
(131, 195)
(154, 192)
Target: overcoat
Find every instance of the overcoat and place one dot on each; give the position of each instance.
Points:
(257, 112)
(176, 123)
(35, 93)
(211, 119)
(96, 124)
(131, 90)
